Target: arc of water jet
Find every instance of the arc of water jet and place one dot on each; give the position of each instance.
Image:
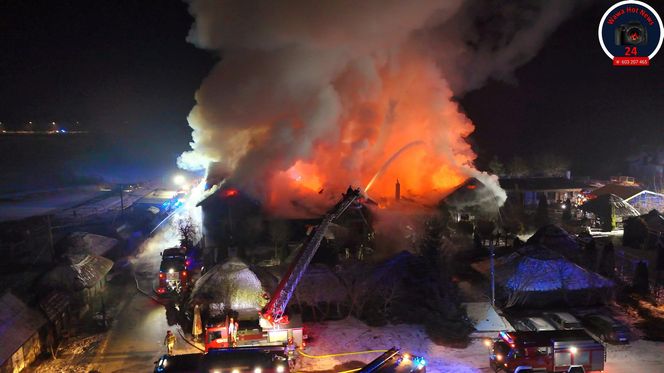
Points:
(389, 161)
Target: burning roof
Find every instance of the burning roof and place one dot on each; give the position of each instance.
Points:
(310, 98)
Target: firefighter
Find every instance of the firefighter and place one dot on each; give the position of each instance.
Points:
(169, 341)
(232, 332)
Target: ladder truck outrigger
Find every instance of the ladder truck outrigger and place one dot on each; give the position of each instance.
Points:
(275, 327)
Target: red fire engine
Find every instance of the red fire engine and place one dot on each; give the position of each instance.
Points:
(173, 275)
(272, 325)
(552, 351)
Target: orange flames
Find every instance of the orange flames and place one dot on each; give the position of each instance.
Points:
(407, 102)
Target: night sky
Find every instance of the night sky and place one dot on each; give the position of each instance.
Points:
(571, 101)
(124, 70)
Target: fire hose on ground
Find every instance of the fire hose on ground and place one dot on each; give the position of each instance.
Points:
(299, 351)
(339, 354)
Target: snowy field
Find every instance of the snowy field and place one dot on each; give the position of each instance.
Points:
(352, 335)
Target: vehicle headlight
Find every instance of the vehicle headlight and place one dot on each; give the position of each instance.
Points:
(280, 369)
(258, 370)
(171, 270)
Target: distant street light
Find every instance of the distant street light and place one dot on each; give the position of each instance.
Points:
(179, 180)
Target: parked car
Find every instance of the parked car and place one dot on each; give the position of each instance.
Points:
(607, 328)
(519, 325)
(538, 324)
(563, 320)
(576, 369)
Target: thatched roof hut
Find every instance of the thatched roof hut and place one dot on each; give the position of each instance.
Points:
(231, 283)
(556, 239)
(538, 276)
(654, 220)
(601, 206)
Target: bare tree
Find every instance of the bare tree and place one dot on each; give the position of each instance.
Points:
(389, 292)
(549, 164)
(355, 280)
(496, 167)
(188, 232)
(517, 167)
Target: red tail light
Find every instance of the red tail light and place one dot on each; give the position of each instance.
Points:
(162, 275)
(184, 273)
(230, 193)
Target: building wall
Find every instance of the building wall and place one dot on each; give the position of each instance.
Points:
(24, 356)
(530, 198)
(645, 202)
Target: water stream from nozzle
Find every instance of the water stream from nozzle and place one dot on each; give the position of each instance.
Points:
(389, 161)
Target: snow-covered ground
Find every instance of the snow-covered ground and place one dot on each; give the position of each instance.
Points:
(24, 206)
(353, 335)
(637, 357)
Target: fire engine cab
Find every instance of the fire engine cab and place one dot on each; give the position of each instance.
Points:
(547, 351)
(249, 332)
(173, 275)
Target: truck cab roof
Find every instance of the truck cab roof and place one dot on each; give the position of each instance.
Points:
(545, 338)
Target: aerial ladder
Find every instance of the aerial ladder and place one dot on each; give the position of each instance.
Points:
(273, 314)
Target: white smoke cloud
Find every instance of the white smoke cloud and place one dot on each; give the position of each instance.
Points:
(292, 73)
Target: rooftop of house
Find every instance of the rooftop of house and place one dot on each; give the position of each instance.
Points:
(18, 323)
(541, 184)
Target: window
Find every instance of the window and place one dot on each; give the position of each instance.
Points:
(216, 334)
(517, 353)
(582, 358)
(500, 348)
(562, 359)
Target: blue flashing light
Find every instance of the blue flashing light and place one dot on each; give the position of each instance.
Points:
(420, 362)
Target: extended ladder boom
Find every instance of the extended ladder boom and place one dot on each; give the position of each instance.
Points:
(274, 310)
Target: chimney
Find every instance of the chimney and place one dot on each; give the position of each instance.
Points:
(397, 191)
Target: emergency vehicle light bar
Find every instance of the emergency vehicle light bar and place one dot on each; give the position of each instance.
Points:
(507, 338)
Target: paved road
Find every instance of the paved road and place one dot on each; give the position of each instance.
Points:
(136, 337)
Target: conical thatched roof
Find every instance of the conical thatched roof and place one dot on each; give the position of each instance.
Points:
(654, 220)
(230, 282)
(537, 275)
(603, 204)
(556, 239)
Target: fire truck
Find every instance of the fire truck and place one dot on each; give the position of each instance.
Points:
(271, 325)
(549, 351)
(173, 275)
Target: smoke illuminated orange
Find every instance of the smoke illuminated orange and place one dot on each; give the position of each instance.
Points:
(411, 103)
